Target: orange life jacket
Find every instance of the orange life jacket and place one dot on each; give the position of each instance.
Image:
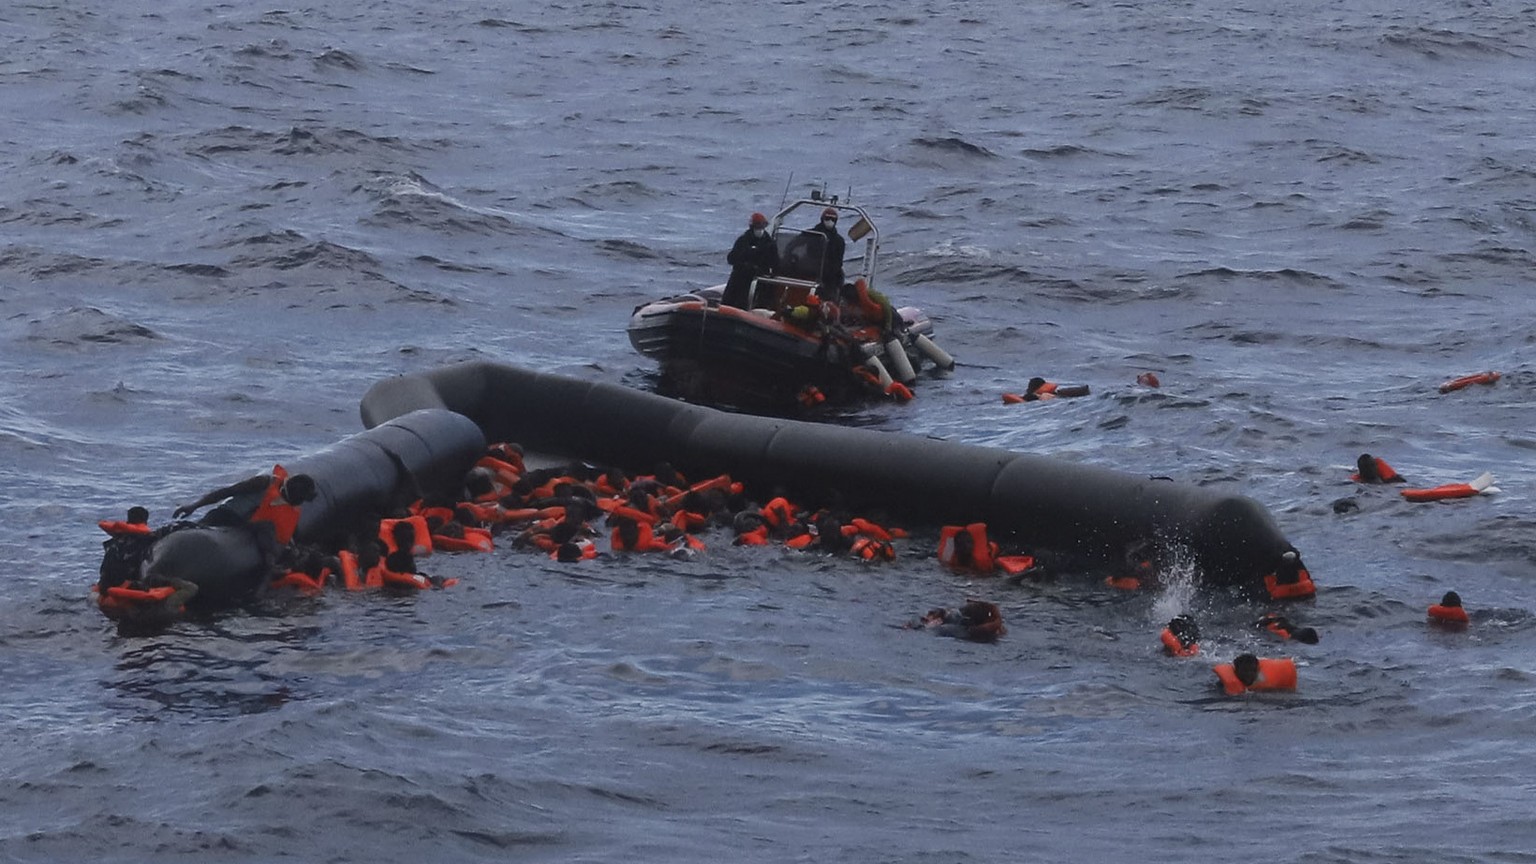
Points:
(802, 541)
(1448, 614)
(283, 517)
(1301, 589)
(474, 540)
(352, 578)
(1013, 565)
(506, 473)
(1178, 648)
(779, 513)
(983, 551)
(1383, 471)
(302, 582)
(1488, 377)
(870, 549)
(756, 537)
(624, 511)
(1274, 674)
(1441, 493)
(140, 595)
(645, 539)
(421, 536)
(1124, 583)
(489, 514)
(119, 527)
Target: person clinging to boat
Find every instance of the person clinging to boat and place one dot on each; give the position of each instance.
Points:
(752, 255)
(269, 503)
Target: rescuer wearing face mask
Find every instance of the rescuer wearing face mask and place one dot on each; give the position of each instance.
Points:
(753, 254)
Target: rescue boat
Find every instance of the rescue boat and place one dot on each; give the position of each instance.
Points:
(790, 339)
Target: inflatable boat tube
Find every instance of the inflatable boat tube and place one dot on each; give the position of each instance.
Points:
(356, 479)
(1043, 502)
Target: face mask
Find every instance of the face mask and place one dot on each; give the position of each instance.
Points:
(830, 223)
(758, 232)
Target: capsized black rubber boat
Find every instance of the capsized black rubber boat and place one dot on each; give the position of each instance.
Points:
(354, 478)
(1046, 503)
(788, 335)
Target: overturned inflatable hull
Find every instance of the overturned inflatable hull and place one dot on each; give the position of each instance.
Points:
(355, 478)
(1048, 503)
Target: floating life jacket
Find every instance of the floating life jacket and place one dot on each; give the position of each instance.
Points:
(1148, 379)
(1282, 627)
(281, 515)
(1123, 583)
(1454, 384)
(1483, 483)
(1014, 565)
(983, 552)
(1274, 674)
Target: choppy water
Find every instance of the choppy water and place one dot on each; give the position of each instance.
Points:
(222, 223)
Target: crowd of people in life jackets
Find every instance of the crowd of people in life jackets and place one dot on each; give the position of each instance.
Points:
(563, 512)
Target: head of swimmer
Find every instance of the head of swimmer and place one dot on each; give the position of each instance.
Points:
(299, 489)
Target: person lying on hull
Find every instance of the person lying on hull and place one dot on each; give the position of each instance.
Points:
(270, 503)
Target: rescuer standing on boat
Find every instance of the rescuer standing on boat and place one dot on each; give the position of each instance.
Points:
(753, 255)
(832, 254)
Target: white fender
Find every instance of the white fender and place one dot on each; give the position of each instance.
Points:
(879, 369)
(933, 352)
(901, 365)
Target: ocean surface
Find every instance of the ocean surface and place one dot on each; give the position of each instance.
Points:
(220, 223)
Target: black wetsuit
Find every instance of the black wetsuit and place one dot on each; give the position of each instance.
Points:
(750, 257)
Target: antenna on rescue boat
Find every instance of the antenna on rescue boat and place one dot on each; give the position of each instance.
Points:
(785, 197)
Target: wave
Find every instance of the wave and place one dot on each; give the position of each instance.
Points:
(80, 325)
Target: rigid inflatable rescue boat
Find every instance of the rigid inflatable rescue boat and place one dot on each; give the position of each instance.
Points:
(1042, 502)
(795, 328)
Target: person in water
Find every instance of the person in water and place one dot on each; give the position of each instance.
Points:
(752, 255)
(269, 503)
(832, 253)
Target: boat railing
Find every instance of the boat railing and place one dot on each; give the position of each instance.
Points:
(772, 292)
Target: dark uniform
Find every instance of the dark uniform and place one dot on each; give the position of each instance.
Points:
(751, 256)
(832, 254)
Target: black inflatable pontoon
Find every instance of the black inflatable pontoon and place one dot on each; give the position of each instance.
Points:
(354, 477)
(1043, 502)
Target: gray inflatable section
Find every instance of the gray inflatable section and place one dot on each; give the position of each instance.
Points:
(1042, 502)
(355, 478)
